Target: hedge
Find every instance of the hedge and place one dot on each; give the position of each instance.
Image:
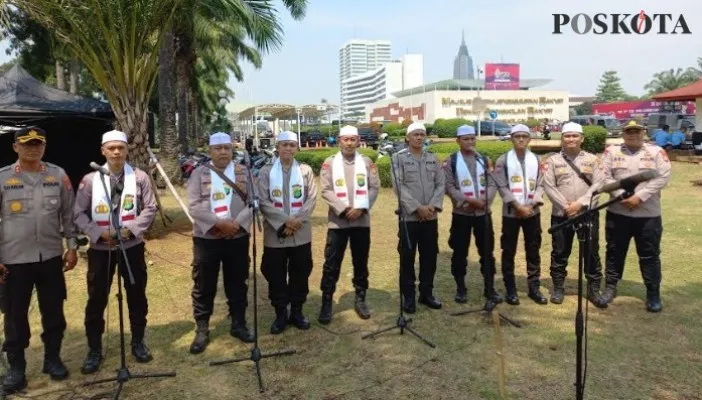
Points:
(315, 157)
(595, 139)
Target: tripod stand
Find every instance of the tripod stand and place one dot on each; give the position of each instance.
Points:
(582, 224)
(489, 270)
(123, 374)
(402, 322)
(255, 355)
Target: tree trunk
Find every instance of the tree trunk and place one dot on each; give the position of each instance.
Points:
(192, 118)
(183, 79)
(133, 118)
(60, 76)
(74, 70)
(167, 108)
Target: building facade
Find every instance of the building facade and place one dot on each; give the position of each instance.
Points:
(361, 90)
(512, 106)
(357, 57)
(463, 63)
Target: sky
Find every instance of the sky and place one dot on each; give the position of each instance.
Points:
(305, 68)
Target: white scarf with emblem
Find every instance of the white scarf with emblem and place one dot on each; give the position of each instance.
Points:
(101, 200)
(295, 189)
(360, 182)
(221, 193)
(465, 179)
(523, 191)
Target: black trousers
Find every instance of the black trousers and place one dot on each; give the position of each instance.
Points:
(287, 270)
(532, 244)
(459, 241)
(48, 278)
(563, 245)
(334, 256)
(425, 237)
(101, 270)
(233, 257)
(647, 232)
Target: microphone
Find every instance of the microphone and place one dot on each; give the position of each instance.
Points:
(628, 183)
(99, 168)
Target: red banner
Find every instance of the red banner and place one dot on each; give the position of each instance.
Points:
(641, 108)
(501, 76)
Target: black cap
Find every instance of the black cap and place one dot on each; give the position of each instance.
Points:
(28, 134)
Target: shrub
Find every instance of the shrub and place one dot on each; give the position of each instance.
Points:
(595, 139)
(491, 149)
(399, 132)
(390, 127)
(446, 128)
(315, 157)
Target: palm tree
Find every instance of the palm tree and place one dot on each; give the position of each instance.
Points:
(118, 42)
(669, 80)
(696, 71)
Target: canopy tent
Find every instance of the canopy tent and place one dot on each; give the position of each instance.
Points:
(74, 124)
(690, 92)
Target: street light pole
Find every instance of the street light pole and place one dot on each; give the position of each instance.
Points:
(298, 124)
(223, 101)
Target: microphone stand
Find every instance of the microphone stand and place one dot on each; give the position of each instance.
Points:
(490, 269)
(402, 322)
(582, 224)
(123, 374)
(255, 355)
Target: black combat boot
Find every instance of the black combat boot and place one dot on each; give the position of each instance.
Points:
(281, 320)
(535, 294)
(360, 305)
(493, 296)
(653, 298)
(94, 357)
(609, 293)
(511, 288)
(461, 292)
(15, 379)
(558, 292)
(410, 305)
(325, 312)
(52, 361)
(593, 294)
(239, 329)
(429, 300)
(297, 318)
(202, 337)
(139, 349)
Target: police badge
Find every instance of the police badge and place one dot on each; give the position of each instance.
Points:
(297, 191)
(532, 184)
(339, 182)
(128, 203)
(466, 182)
(218, 196)
(276, 192)
(360, 179)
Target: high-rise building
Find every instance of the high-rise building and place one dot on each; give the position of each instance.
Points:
(359, 56)
(463, 63)
(361, 90)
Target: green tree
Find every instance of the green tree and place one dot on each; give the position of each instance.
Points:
(669, 80)
(610, 88)
(118, 42)
(696, 71)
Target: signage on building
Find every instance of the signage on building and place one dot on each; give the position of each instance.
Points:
(501, 76)
(538, 101)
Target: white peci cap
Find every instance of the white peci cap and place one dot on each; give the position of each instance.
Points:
(114, 136)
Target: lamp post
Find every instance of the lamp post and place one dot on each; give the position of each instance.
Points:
(223, 101)
(299, 110)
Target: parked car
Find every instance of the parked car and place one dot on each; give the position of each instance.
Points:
(487, 127)
(611, 124)
(311, 138)
(368, 136)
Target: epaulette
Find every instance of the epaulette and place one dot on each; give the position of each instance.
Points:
(6, 168)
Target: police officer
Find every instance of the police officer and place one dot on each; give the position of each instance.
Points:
(638, 216)
(350, 187)
(36, 205)
(471, 190)
(421, 186)
(569, 179)
(135, 208)
(220, 237)
(517, 177)
(288, 195)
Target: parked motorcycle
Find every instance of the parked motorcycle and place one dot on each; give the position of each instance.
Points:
(189, 162)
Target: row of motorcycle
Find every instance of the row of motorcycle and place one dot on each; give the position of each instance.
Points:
(193, 159)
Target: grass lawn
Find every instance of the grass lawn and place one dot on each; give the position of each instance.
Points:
(632, 354)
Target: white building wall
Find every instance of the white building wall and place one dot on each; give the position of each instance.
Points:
(412, 70)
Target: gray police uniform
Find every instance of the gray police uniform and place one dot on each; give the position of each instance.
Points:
(37, 214)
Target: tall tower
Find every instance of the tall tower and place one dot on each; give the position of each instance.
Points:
(463, 63)
(359, 56)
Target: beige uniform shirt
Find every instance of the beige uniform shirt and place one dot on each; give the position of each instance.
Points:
(618, 162)
(421, 181)
(275, 217)
(146, 211)
(200, 204)
(500, 176)
(453, 189)
(563, 185)
(337, 206)
(36, 213)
